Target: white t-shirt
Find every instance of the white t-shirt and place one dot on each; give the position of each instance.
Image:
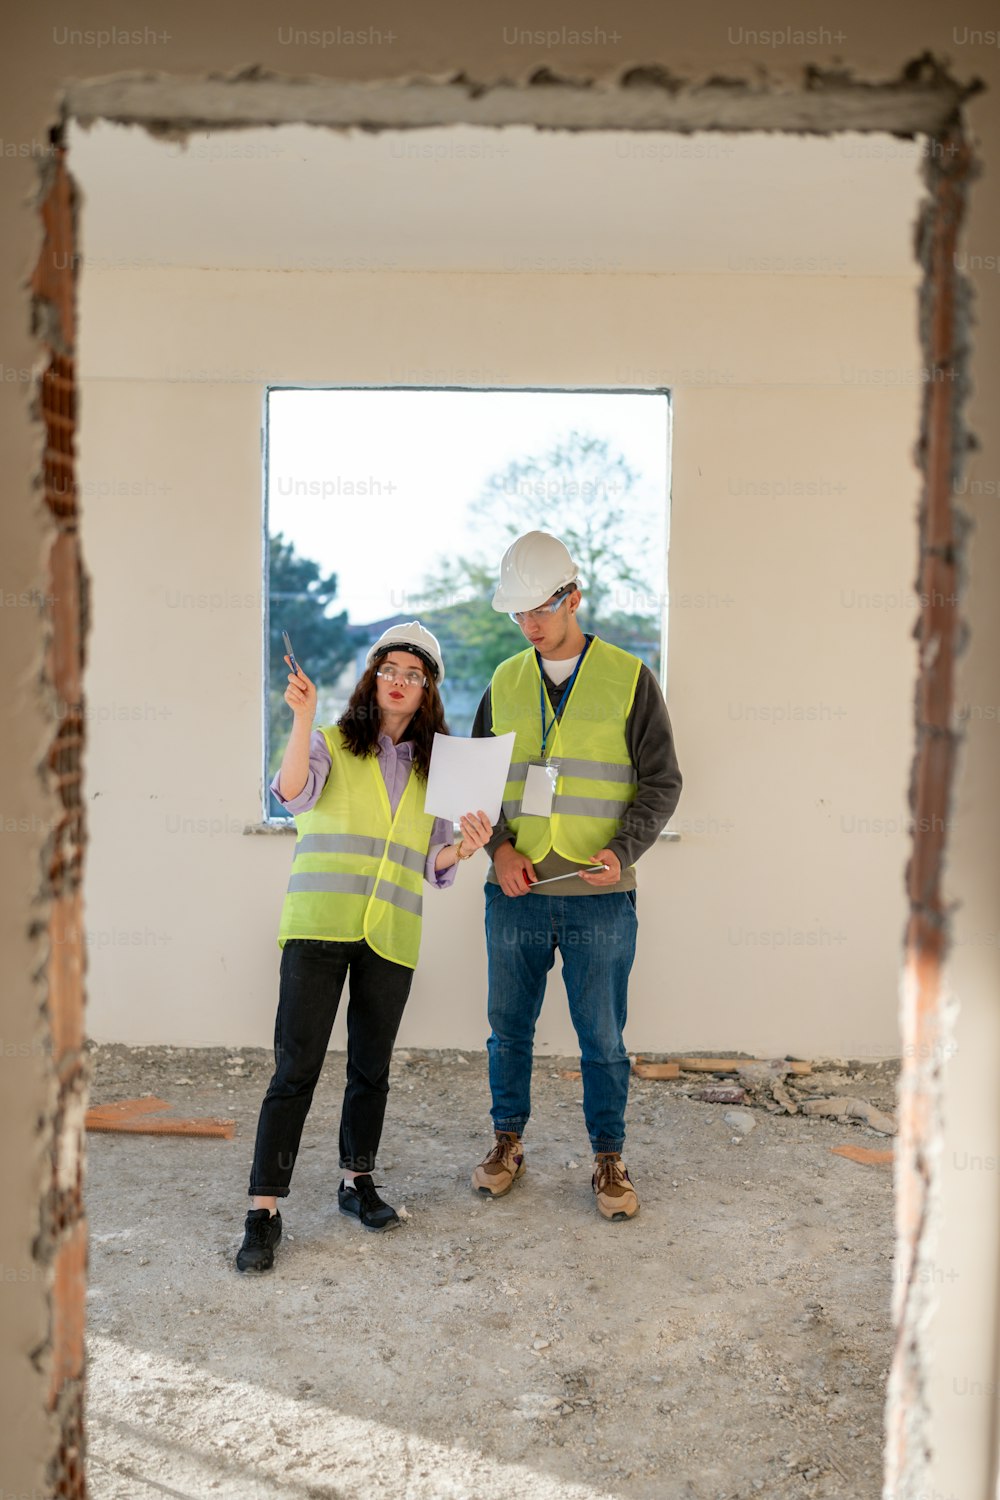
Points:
(559, 671)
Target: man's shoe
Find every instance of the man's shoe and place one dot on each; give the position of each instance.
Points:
(497, 1173)
(364, 1203)
(616, 1197)
(262, 1233)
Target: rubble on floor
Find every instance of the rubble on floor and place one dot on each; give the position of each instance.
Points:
(782, 1085)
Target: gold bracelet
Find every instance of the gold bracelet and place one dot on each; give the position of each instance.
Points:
(458, 851)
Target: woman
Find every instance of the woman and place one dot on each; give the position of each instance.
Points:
(365, 844)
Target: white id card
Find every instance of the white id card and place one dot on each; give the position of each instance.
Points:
(539, 788)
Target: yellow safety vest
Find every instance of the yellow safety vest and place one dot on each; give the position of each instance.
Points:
(597, 780)
(357, 871)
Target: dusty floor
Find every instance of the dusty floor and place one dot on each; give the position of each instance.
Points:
(731, 1340)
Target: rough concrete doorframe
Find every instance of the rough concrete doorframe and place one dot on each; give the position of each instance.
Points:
(923, 100)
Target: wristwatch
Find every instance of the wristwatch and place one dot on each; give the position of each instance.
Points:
(458, 850)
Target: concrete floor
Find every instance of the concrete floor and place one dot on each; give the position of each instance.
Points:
(733, 1339)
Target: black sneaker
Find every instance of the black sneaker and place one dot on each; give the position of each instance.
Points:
(263, 1231)
(365, 1204)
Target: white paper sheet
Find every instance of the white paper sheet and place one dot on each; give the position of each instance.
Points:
(468, 775)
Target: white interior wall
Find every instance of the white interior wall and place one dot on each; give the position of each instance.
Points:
(775, 924)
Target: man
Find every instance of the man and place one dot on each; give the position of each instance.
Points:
(593, 780)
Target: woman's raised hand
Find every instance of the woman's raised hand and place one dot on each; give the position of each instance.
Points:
(476, 829)
(300, 694)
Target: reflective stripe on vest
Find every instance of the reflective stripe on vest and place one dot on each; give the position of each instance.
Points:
(357, 871)
(359, 885)
(601, 770)
(597, 781)
(357, 843)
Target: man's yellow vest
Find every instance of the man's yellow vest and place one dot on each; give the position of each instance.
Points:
(596, 776)
(357, 871)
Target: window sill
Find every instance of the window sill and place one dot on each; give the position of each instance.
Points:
(285, 826)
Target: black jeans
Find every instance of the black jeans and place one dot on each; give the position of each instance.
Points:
(312, 979)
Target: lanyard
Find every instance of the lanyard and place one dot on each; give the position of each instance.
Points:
(566, 692)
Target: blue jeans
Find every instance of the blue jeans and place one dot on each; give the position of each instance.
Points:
(596, 938)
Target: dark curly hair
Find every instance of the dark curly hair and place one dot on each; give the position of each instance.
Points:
(360, 722)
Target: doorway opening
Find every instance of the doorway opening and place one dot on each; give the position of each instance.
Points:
(915, 107)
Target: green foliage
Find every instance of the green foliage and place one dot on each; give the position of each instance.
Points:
(474, 637)
(300, 599)
(587, 495)
(579, 489)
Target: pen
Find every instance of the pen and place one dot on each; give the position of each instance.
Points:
(288, 647)
(568, 873)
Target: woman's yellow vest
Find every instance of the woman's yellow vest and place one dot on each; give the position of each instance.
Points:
(357, 871)
(596, 776)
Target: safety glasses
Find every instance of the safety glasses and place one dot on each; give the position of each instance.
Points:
(520, 615)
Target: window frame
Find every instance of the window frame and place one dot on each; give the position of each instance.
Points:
(269, 821)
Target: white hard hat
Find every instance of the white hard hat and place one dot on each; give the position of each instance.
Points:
(412, 637)
(532, 569)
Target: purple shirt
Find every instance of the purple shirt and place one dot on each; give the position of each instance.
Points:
(395, 762)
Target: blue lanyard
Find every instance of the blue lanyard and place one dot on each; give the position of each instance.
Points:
(566, 692)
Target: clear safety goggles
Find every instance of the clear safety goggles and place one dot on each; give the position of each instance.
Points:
(519, 616)
(411, 676)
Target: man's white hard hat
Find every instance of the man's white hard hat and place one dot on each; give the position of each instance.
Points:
(412, 637)
(532, 569)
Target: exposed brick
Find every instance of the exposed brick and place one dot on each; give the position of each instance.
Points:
(939, 632)
(62, 1232)
(53, 281)
(64, 591)
(68, 1304)
(65, 975)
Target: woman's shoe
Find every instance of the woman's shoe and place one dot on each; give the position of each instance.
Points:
(262, 1233)
(363, 1202)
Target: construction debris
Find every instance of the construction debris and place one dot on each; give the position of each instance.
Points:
(132, 1117)
(780, 1085)
(867, 1155)
(738, 1064)
(655, 1069)
(731, 1094)
(740, 1120)
(852, 1109)
(757, 1075)
(781, 1096)
(829, 1081)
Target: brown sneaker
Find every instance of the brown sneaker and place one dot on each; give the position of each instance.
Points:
(499, 1171)
(616, 1197)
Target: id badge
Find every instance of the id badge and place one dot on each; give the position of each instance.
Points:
(539, 788)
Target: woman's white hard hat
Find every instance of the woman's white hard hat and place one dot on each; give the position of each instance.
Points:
(532, 569)
(412, 637)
